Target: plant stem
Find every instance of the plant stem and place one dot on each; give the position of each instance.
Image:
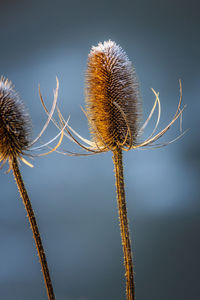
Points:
(128, 262)
(34, 228)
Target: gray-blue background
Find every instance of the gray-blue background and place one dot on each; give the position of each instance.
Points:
(74, 198)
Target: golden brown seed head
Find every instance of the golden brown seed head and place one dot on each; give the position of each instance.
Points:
(111, 96)
(14, 123)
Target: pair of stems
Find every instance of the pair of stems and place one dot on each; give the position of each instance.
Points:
(128, 262)
(34, 228)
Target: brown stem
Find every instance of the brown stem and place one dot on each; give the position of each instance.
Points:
(128, 262)
(34, 228)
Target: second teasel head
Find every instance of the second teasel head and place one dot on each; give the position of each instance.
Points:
(14, 123)
(112, 97)
(15, 126)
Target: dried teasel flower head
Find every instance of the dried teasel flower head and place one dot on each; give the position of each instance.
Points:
(14, 122)
(113, 108)
(112, 98)
(15, 126)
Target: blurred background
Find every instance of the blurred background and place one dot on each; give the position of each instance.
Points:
(74, 197)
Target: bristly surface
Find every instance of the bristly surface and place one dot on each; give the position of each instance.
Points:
(113, 107)
(14, 123)
(112, 97)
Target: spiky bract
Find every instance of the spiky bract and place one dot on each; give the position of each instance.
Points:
(111, 96)
(14, 123)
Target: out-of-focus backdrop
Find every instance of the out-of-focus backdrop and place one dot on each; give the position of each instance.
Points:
(74, 198)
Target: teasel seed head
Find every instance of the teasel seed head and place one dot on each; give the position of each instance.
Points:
(112, 97)
(113, 107)
(14, 123)
(15, 127)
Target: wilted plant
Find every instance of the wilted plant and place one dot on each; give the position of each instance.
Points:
(113, 111)
(14, 144)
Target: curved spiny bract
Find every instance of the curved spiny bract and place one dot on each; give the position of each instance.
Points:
(112, 95)
(14, 123)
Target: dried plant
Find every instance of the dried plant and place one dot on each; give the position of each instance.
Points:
(113, 111)
(14, 144)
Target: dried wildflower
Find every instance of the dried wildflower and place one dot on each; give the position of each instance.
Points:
(15, 126)
(113, 107)
(113, 111)
(14, 123)
(111, 97)
(14, 143)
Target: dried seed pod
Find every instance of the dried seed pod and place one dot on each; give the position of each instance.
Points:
(14, 142)
(14, 123)
(112, 95)
(113, 106)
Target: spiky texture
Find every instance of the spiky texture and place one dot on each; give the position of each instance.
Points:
(111, 96)
(14, 123)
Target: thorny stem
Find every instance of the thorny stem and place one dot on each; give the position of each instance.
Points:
(128, 262)
(34, 228)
